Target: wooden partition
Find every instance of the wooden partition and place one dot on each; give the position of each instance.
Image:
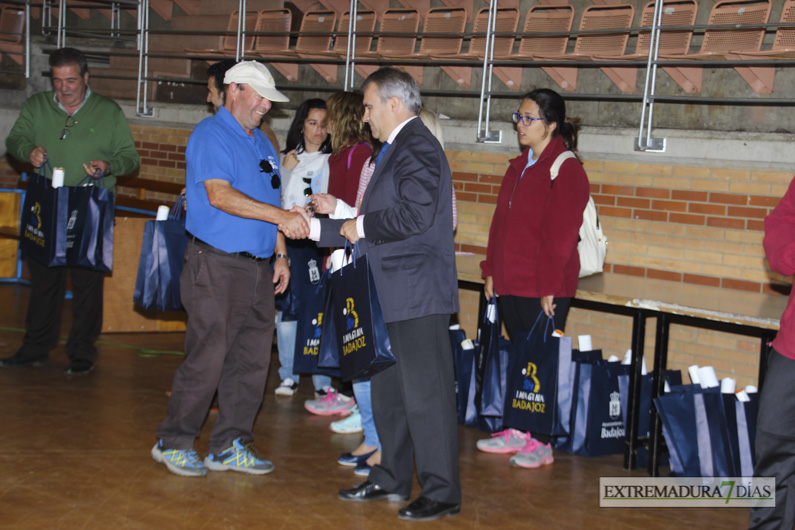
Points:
(10, 203)
(120, 315)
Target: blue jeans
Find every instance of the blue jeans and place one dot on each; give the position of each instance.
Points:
(285, 341)
(361, 390)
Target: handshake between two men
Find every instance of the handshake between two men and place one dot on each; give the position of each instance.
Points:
(297, 225)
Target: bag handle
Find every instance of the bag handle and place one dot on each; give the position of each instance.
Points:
(350, 153)
(98, 176)
(41, 171)
(178, 208)
(546, 325)
(355, 252)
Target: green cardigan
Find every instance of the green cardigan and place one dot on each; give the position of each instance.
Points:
(101, 133)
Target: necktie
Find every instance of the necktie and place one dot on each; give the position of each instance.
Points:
(381, 153)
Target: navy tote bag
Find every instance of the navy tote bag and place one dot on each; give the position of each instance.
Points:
(492, 357)
(364, 347)
(311, 316)
(464, 362)
(89, 228)
(597, 427)
(538, 394)
(44, 217)
(160, 265)
(696, 431)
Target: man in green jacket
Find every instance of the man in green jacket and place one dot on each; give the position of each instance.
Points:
(85, 134)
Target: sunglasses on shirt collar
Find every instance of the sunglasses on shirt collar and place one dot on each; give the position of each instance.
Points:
(266, 167)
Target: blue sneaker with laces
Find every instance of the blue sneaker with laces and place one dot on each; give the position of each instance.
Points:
(239, 457)
(184, 462)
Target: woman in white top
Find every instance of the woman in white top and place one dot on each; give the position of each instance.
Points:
(304, 171)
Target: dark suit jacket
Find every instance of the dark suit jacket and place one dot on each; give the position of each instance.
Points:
(408, 227)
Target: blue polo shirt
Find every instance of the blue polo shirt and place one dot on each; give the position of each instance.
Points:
(219, 148)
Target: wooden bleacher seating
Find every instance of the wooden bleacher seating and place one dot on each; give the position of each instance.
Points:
(227, 44)
(272, 21)
(761, 77)
(507, 22)
(718, 42)
(588, 45)
(12, 24)
(190, 7)
(443, 37)
(365, 25)
(317, 27)
(672, 43)
(390, 41)
(164, 8)
(539, 19)
(125, 64)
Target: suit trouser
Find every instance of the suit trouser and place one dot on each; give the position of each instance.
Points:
(228, 341)
(43, 320)
(415, 412)
(775, 442)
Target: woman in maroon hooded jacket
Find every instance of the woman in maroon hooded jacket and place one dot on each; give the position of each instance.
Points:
(532, 263)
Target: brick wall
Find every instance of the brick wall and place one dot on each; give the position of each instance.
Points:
(687, 224)
(162, 152)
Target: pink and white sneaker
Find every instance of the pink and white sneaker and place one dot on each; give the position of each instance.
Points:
(534, 455)
(331, 404)
(507, 441)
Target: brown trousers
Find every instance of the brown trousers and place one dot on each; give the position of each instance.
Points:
(229, 300)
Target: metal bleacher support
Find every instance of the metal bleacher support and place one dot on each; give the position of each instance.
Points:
(647, 53)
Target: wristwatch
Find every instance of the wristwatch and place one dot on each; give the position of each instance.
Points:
(285, 256)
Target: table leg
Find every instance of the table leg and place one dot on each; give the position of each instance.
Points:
(658, 389)
(631, 434)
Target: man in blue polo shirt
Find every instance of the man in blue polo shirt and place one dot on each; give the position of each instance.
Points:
(233, 196)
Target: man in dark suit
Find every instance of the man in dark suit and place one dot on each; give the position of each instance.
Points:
(405, 227)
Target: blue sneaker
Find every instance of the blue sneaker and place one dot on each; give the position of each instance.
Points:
(185, 462)
(239, 457)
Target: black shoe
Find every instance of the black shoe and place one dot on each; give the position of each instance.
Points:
(18, 360)
(424, 509)
(78, 367)
(367, 491)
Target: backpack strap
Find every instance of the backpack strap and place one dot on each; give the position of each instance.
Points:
(562, 157)
(350, 153)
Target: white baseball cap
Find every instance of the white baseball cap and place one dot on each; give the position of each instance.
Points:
(257, 76)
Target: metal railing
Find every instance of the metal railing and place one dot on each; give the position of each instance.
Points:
(486, 95)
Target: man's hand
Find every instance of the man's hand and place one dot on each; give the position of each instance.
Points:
(297, 209)
(295, 224)
(281, 276)
(97, 168)
(323, 203)
(38, 156)
(349, 231)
